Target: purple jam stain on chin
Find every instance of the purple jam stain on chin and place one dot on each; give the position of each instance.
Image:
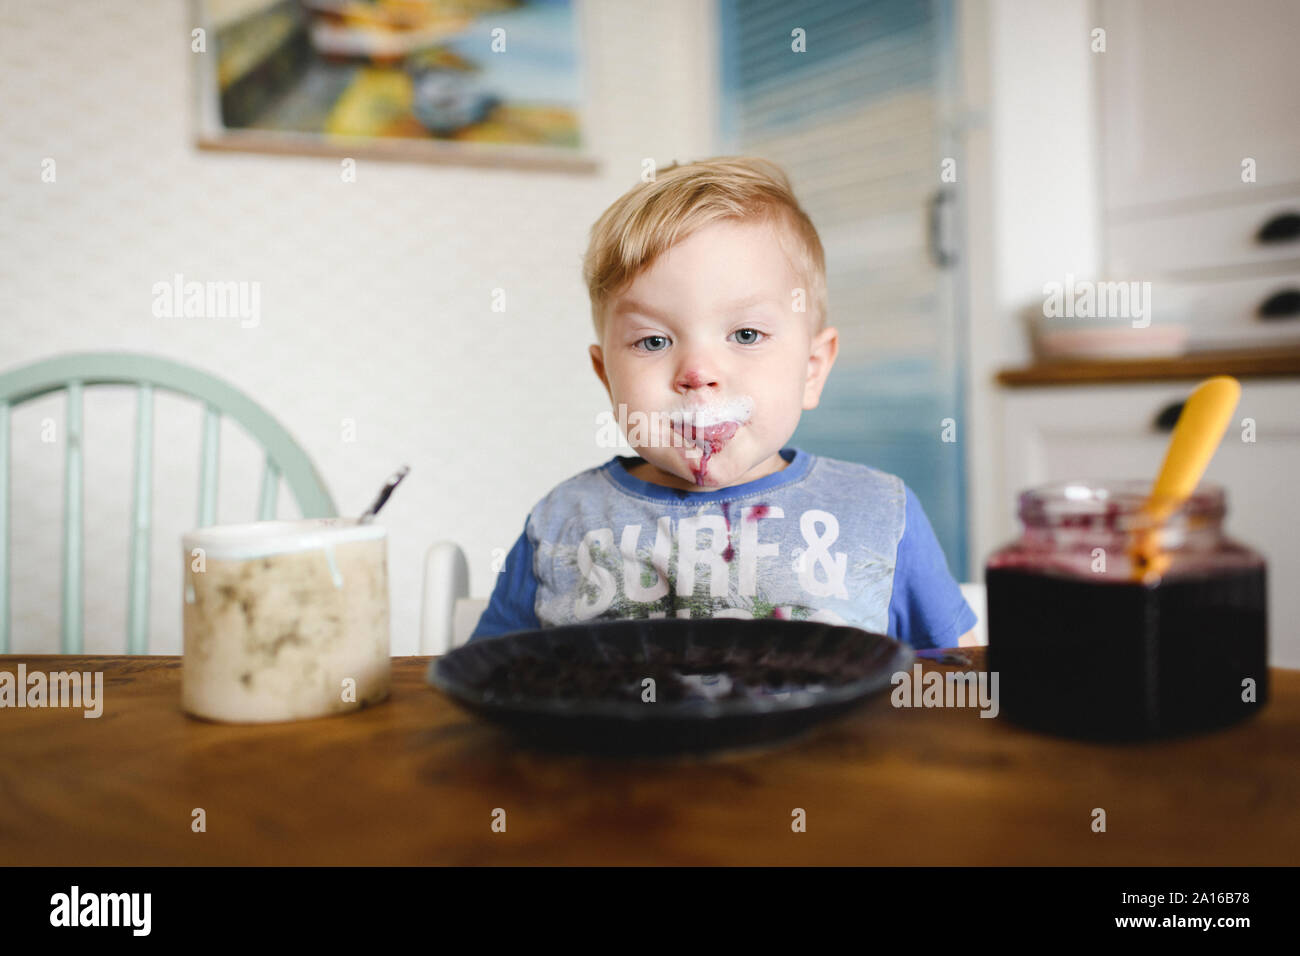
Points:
(705, 451)
(708, 446)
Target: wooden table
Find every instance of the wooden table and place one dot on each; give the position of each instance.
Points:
(416, 781)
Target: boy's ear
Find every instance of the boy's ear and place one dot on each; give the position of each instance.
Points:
(598, 363)
(825, 346)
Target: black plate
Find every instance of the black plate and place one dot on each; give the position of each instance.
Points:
(719, 682)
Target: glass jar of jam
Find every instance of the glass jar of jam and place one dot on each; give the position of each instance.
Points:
(1087, 644)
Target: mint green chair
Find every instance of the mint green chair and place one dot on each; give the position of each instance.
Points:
(72, 373)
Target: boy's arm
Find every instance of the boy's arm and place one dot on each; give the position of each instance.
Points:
(926, 608)
(511, 606)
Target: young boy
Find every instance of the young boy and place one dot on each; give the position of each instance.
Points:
(708, 295)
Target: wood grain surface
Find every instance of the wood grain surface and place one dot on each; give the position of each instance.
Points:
(1271, 363)
(415, 780)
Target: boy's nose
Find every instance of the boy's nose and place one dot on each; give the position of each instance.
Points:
(694, 378)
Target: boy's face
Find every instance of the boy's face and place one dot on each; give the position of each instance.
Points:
(711, 360)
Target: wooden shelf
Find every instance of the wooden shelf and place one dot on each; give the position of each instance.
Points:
(1256, 364)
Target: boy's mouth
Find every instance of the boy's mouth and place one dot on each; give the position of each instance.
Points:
(706, 435)
(705, 429)
(702, 442)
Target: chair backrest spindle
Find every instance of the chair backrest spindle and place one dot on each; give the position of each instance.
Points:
(73, 560)
(208, 467)
(137, 614)
(270, 490)
(4, 526)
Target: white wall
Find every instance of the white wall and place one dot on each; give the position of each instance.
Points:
(1032, 205)
(375, 298)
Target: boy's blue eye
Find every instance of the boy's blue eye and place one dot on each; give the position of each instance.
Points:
(747, 339)
(661, 339)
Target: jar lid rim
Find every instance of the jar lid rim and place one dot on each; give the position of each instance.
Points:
(1075, 497)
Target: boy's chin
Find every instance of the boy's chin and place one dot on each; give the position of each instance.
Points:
(717, 470)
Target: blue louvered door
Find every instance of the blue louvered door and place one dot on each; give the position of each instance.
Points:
(857, 121)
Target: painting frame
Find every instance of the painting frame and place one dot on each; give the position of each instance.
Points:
(211, 134)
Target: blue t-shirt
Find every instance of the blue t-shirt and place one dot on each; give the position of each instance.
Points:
(822, 539)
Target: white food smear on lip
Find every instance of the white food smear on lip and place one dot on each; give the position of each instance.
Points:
(735, 410)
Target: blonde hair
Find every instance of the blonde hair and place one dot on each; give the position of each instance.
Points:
(652, 217)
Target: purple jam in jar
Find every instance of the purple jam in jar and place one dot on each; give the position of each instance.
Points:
(1084, 647)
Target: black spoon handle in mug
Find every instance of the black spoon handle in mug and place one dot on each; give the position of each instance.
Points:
(387, 490)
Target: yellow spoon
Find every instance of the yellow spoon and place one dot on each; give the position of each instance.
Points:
(1200, 429)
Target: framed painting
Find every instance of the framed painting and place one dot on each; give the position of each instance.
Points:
(488, 82)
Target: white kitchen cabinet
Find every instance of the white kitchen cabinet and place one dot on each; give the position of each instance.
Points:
(1189, 243)
(1107, 431)
(1187, 90)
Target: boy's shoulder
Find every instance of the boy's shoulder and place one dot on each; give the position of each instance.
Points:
(589, 485)
(855, 475)
(863, 498)
(585, 481)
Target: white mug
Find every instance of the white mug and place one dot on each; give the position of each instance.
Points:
(285, 620)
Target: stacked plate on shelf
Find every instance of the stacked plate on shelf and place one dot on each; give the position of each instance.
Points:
(1100, 320)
